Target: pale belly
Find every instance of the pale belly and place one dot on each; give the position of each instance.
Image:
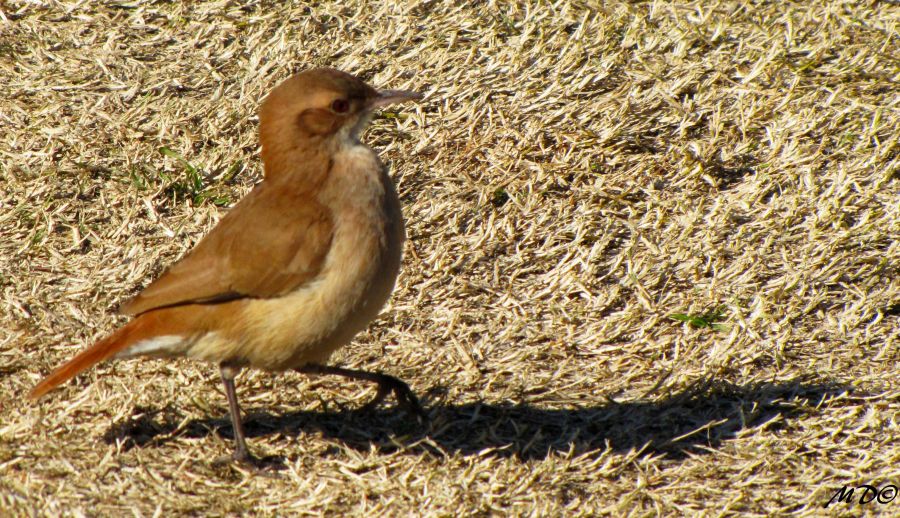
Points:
(309, 324)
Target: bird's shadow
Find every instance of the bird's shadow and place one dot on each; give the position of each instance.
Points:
(689, 422)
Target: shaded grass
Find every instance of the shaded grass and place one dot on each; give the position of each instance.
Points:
(690, 422)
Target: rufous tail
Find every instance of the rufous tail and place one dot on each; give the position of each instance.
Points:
(102, 350)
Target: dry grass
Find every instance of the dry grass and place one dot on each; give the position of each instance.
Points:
(580, 172)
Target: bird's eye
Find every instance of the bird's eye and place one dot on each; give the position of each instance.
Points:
(340, 106)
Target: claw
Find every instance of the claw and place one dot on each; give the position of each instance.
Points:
(406, 398)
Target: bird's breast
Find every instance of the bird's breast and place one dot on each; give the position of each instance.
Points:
(356, 279)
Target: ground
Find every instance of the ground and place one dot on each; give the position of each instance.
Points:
(652, 265)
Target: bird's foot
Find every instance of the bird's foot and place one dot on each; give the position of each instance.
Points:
(406, 398)
(247, 462)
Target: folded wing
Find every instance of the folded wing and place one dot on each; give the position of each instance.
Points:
(273, 242)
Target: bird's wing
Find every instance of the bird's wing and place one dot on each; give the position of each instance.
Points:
(268, 245)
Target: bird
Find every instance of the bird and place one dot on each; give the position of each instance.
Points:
(295, 269)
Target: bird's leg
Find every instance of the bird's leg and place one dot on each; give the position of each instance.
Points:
(406, 399)
(241, 453)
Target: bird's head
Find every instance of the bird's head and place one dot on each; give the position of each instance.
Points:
(320, 108)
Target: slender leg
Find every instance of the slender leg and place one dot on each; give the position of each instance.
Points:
(241, 453)
(386, 384)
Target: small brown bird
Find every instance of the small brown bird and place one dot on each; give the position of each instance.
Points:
(297, 268)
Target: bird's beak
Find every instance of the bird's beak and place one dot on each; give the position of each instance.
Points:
(386, 97)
